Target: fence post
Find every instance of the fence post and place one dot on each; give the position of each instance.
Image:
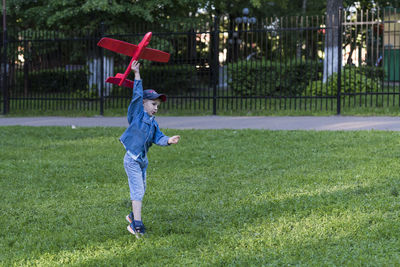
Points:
(101, 72)
(215, 62)
(6, 99)
(339, 73)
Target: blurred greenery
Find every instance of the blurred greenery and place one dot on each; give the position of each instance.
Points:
(121, 16)
(272, 78)
(355, 80)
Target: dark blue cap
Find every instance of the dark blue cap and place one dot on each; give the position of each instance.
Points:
(151, 94)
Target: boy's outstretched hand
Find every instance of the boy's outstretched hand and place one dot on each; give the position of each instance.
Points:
(135, 68)
(174, 139)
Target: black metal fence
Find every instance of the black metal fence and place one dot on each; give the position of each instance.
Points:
(287, 63)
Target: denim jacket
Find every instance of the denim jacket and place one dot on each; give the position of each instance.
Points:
(143, 129)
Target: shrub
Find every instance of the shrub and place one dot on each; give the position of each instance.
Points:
(168, 79)
(375, 73)
(55, 81)
(266, 78)
(353, 80)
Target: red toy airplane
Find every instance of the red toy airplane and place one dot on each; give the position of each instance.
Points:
(134, 51)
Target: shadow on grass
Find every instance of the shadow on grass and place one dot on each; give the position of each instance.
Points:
(79, 207)
(219, 231)
(178, 230)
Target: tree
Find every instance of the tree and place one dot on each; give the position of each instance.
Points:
(88, 14)
(331, 60)
(331, 38)
(121, 15)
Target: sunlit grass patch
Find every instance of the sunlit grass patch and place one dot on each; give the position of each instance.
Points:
(220, 197)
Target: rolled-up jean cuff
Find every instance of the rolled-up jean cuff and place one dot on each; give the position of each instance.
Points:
(136, 172)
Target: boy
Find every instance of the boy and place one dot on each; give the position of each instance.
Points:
(141, 133)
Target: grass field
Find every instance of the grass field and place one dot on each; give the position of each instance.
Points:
(220, 197)
(371, 105)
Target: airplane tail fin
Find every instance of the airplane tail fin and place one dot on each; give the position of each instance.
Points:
(117, 79)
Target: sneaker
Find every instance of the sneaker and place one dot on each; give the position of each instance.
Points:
(129, 217)
(136, 229)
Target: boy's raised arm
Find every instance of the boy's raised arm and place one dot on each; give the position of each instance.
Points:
(136, 105)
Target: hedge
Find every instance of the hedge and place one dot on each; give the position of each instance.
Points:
(266, 78)
(168, 79)
(353, 80)
(55, 81)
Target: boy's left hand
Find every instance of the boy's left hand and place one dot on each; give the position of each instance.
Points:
(135, 66)
(174, 139)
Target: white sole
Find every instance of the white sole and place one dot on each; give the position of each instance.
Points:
(132, 232)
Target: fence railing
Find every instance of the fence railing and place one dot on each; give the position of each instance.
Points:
(290, 63)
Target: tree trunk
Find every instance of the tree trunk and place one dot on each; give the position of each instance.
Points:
(191, 44)
(331, 38)
(300, 42)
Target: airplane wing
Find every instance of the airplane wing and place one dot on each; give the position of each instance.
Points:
(128, 50)
(155, 55)
(117, 46)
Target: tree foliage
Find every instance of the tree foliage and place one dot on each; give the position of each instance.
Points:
(88, 14)
(121, 15)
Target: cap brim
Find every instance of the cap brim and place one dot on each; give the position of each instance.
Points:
(162, 97)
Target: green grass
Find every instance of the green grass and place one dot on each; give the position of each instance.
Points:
(381, 105)
(220, 197)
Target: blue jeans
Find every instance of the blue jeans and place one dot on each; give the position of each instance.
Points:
(136, 171)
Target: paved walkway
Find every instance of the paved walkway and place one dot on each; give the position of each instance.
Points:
(223, 122)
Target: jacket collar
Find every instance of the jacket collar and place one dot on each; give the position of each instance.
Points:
(147, 119)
